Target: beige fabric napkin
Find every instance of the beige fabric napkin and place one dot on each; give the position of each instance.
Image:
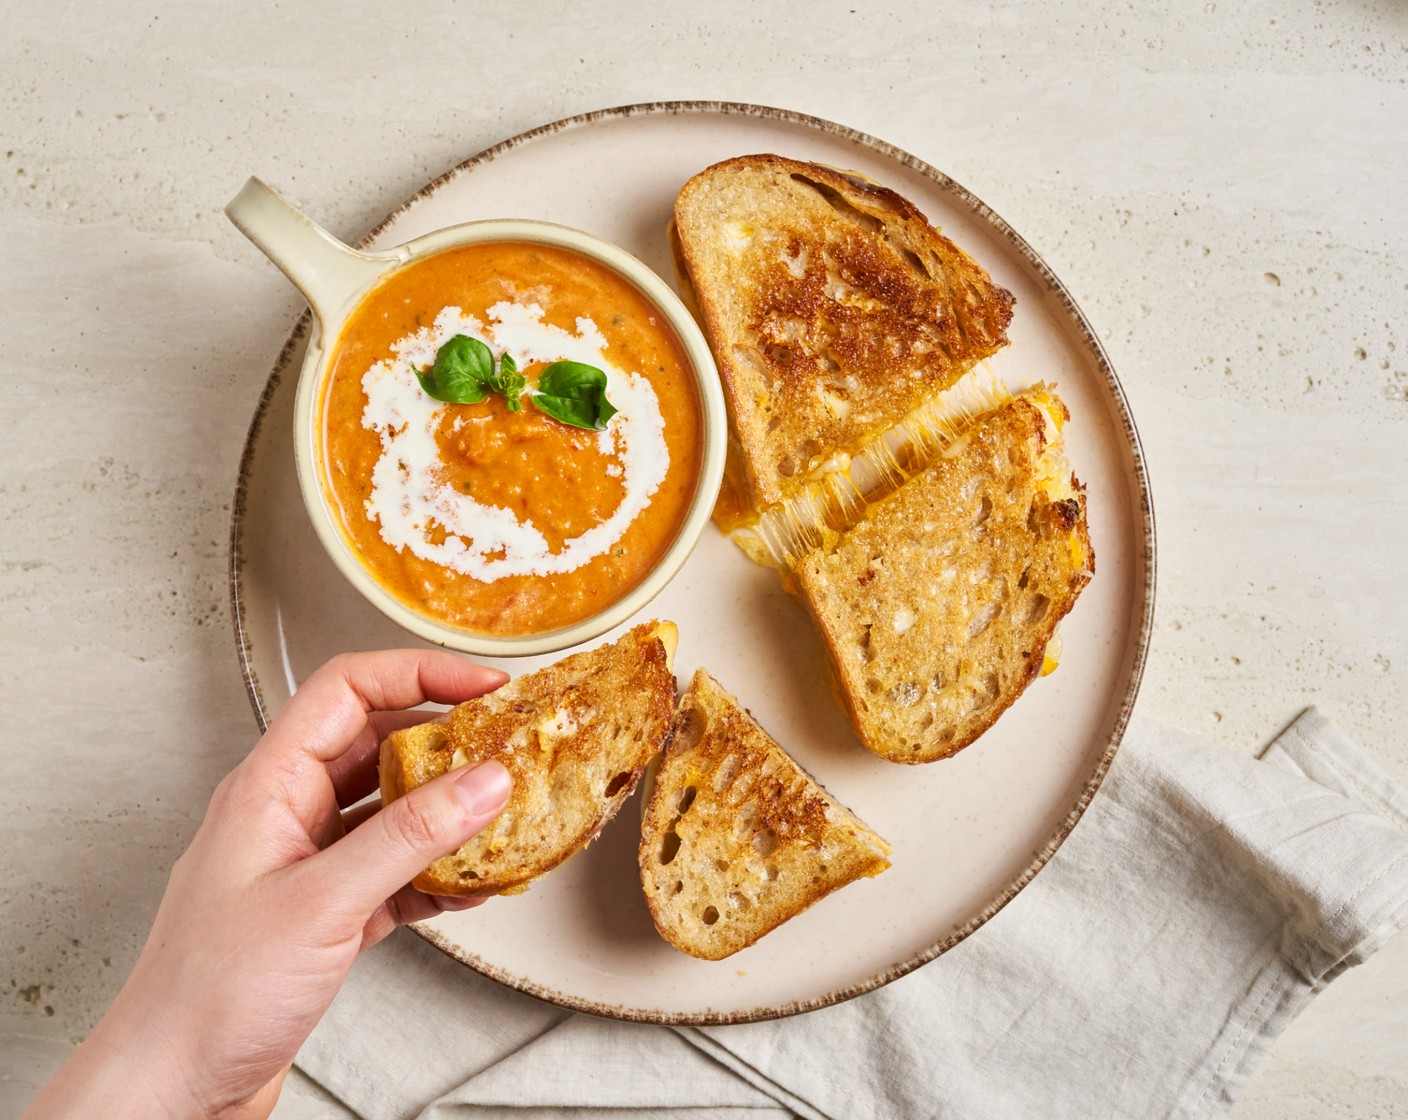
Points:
(1199, 905)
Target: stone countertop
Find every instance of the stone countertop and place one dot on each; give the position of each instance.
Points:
(1221, 186)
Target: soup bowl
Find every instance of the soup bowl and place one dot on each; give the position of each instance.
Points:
(448, 547)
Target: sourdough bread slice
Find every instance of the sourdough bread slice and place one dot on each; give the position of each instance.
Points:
(833, 310)
(737, 838)
(575, 736)
(938, 606)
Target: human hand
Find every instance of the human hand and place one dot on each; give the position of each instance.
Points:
(277, 894)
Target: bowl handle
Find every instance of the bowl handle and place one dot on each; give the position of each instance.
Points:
(326, 271)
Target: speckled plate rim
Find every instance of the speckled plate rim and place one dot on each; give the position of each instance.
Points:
(1146, 525)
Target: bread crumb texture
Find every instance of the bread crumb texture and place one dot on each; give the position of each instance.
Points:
(737, 838)
(938, 606)
(575, 736)
(832, 306)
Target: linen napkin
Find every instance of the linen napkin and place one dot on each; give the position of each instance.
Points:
(1201, 902)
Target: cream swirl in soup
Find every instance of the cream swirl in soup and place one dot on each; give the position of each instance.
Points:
(497, 521)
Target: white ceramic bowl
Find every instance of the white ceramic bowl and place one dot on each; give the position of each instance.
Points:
(334, 278)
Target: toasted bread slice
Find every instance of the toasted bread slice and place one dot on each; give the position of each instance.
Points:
(575, 736)
(737, 838)
(937, 608)
(833, 310)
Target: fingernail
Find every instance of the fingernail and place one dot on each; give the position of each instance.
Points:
(484, 788)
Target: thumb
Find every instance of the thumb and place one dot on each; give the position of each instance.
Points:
(261, 1105)
(375, 860)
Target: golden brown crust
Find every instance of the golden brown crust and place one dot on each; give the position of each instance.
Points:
(575, 736)
(938, 606)
(833, 309)
(732, 507)
(737, 838)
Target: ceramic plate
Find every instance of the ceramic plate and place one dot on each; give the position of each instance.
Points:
(969, 832)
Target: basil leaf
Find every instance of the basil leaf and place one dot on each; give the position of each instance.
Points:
(510, 382)
(467, 391)
(579, 414)
(463, 354)
(513, 388)
(463, 367)
(571, 379)
(571, 392)
(574, 393)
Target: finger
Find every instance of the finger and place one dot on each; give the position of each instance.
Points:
(410, 905)
(329, 711)
(347, 779)
(343, 823)
(374, 861)
(354, 791)
(261, 1105)
(358, 815)
(354, 772)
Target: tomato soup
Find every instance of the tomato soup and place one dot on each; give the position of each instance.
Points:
(508, 522)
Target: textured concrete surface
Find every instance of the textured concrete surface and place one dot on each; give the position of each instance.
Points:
(1221, 185)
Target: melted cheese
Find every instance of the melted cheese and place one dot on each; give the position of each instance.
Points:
(840, 486)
